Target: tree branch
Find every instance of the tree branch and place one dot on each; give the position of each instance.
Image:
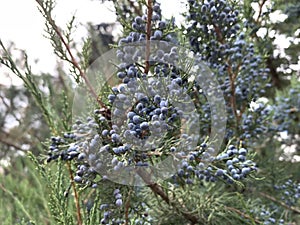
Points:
(148, 35)
(260, 10)
(76, 197)
(8, 143)
(127, 206)
(243, 214)
(294, 209)
(72, 59)
(157, 189)
(232, 77)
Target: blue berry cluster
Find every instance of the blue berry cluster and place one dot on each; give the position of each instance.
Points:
(267, 216)
(289, 192)
(147, 112)
(80, 145)
(142, 107)
(130, 54)
(110, 210)
(58, 150)
(232, 165)
(256, 122)
(216, 36)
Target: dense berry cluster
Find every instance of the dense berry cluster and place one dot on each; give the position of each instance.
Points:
(256, 122)
(110, 210)
(141, 109)
(113, 203)
(149, 112)
(60, 148)
(233, 164)
(216, 36)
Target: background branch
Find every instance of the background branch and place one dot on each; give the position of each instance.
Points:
(72, 60)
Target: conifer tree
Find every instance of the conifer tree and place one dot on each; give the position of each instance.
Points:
(171, 125)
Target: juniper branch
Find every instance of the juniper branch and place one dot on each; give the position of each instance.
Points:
(148, 35)
(76, 196)
(71, 59)
(294, 209)
(157, 189)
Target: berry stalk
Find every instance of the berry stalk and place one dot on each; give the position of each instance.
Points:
(148, 35)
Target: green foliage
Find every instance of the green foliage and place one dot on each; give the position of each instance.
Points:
(24, 196)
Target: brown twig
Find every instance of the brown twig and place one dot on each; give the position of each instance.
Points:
(76, 196)
(157, 189)
(219, 34)
(9, 108)
(72, 58)
(137, 10)
(148, 35)
(294, 209)
(242, 111)
(127, 206)
(243, 214)
(6, 142)
(273, 71)
(232, 77)
(233, 99)
(260, 10)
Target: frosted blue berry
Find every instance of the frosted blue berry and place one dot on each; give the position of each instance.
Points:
(157, 34)
(81, 156)
(78, 179)
(203, 8)
(219, 172)
(213, 10)
(156, 8)
(144, 125)
(104, 132)
(136, 119)
(242, 151)
(121, 75)
(162, 25)
(119, 202)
